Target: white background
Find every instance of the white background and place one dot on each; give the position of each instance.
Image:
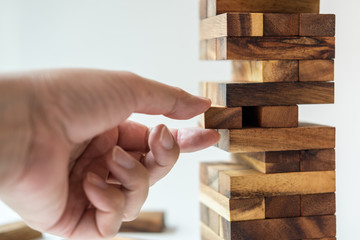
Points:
(159, 39)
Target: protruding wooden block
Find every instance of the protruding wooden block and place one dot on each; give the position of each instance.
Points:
(271, 116)
(275, 48)
(319, 25)
(317, 227)
(269, 94)
(316, 70)
(265, 71)
(281, 24)
(306, 136)
(222, 118)
(270, 162)
(232, 209)
(318, 204)
(250, 183)
(17, 231)
(317, 160)
(263, 6)
(147, 221)
(282, 206)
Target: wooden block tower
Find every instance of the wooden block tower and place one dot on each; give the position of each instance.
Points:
(280, 183)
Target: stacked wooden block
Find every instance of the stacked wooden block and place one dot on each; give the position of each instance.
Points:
(280, 183)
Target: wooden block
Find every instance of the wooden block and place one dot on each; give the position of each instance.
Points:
(17, 231)
(306, 136)
(269, 94)
(318, 204)
(282, 228)
(209, 218)
(222, 118)
(209, 172)
(281, 24)
(145, 222)
(317, 160)
(316, 70)
(232, 209)
(265, 71)
(232, 24)
(251, 183)
(319, 25)
(271, 116)
(263, 6)
(208, 234)
(282, 206)
(270, 162)
(275, 48)
(208, 49)
(203, 9)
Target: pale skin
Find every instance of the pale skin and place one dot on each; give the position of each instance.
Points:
(71, 164)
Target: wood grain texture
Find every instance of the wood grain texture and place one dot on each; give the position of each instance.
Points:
(146, 222)
(282, 228)
(222, 118)
(270, 162)
(281, 24)
(317, 160)
(269, 94)
(208, 234)
(271, 116)
(251, 183)
(275, 48)
(263, 6)
(265, 71)
(318, 204)
(232, 209)
(17, 231)
(282, 206)
(319, 25)
(316, 70)
(210, 218)
(306, 136)
(232, 24)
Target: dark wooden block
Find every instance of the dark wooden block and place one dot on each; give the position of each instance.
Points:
(281, 24)
(222, 118)
(316, 70)
(282, 206)
(317, 160)
(153, 222)
(319, 25)
(318, 204)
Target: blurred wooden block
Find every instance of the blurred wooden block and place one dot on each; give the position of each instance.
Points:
(203, 9)
(209, 218)
(282, 206)
(232, 24)
(18, 231)
(317, 227)
(270, 162)
(269, 94)
(275, 48)
(251, 183)
(281, 24)
(209, 172)
(208, 234)
(208, 49)
(306, 136)
(232, 209)
(216, 7)
(222, 118)
(318, 204)
(145, 222)
(271, 116)
(316, 70)
(265, 71)
(319, 25)
(317, 160)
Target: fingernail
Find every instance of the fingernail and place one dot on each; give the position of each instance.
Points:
(166, 139)
(123, 159)
(94, 179)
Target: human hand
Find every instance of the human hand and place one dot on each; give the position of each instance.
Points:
(64, 131)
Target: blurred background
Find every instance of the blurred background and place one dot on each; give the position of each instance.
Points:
(158, 39)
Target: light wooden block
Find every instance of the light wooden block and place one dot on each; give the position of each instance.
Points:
(306, 136)
(319, 25)
(232, 209)
(265, 71)
(270, 162)
(269, 94)
(316, 70)
(318, 204)
(17, 231)
(210, 218)
(222, 118)
(250, 183)
(147, 221)
(208, 234)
